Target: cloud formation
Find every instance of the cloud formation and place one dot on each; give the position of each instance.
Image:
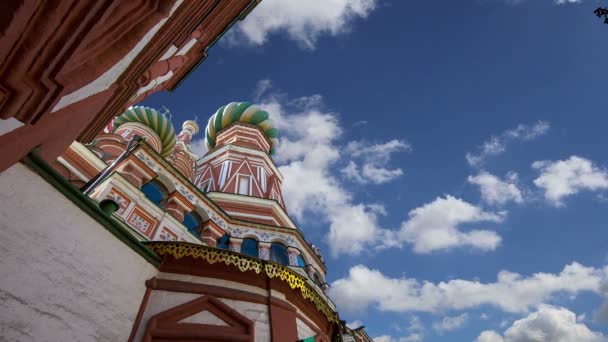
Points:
(497, 145)
(369, 162)
(435, 226)
(511, 292)
(548, 323)
(450, 323)
(199, 146)
(307, 153)
(562, 178)
(414, 337)
(495, 191)
(302, 21)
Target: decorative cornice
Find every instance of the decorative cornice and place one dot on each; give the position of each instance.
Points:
(244, 263)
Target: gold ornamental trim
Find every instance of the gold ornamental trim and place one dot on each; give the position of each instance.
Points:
(244, 263)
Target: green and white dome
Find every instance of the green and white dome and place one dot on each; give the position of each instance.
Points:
(155, 121)
(243, 112)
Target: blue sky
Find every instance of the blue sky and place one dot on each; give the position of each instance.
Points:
(381, 101)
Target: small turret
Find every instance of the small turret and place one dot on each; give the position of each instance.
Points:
(182, 158)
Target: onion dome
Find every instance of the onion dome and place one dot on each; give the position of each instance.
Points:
(241, 112)
(190, 123)
(156, 121)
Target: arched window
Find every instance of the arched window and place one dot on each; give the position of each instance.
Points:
(250, 247)
(155, 192)
(278, 253)
(301, 261)
(193, 221)
(224, 242)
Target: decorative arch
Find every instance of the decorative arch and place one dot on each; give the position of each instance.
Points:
(279, 239)
(166, 182)
(168, 324)
(251, 235)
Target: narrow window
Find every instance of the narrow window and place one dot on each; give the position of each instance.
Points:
(250, 247)
(244, 185)
(278, 254)
(223, 242)
(301, 261)
(193, 221)
(205, 186)
(155, 192)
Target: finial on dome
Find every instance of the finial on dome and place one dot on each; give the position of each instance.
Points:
(189, 129)
(191, 123)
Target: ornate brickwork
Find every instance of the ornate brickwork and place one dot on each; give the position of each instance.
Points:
(122, 200)
(141, 222)
(167, 235)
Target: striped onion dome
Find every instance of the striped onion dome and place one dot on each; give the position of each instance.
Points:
(243, 112)
(154, 120)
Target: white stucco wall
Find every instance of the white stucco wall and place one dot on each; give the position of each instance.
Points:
(160, 301)
(63, 277)
(304, 331)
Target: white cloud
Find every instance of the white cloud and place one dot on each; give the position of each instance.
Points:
(548, 323)
(308, 154)
(199, 147)
(489, 336)
(307, 151)
(567, 177)
(602, 313)
(496, 191)
(511, 292)
(414, 337)
(498, 144)
(435, 226)
(450, 323)
(415, 330)
(354, 324)
(374, 159)
(303, 21)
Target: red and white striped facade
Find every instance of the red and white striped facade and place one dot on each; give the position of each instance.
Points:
(240, 166)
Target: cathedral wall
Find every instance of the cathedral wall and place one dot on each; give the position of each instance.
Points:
(304, 330)
(174, 291)
(63, 276)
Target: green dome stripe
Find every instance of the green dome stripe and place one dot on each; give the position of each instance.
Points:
(226, 115)
(218, 119)
(210, 141)
(258, 117)
(140, 116)
(154, 120)
(236, 114)
(272, 133)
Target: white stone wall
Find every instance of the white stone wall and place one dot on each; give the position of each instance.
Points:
(304, 331)
(160, 301)
(255, 312)
(63, 277)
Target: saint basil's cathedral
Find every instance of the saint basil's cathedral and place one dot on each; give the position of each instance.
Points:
(113, 228)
